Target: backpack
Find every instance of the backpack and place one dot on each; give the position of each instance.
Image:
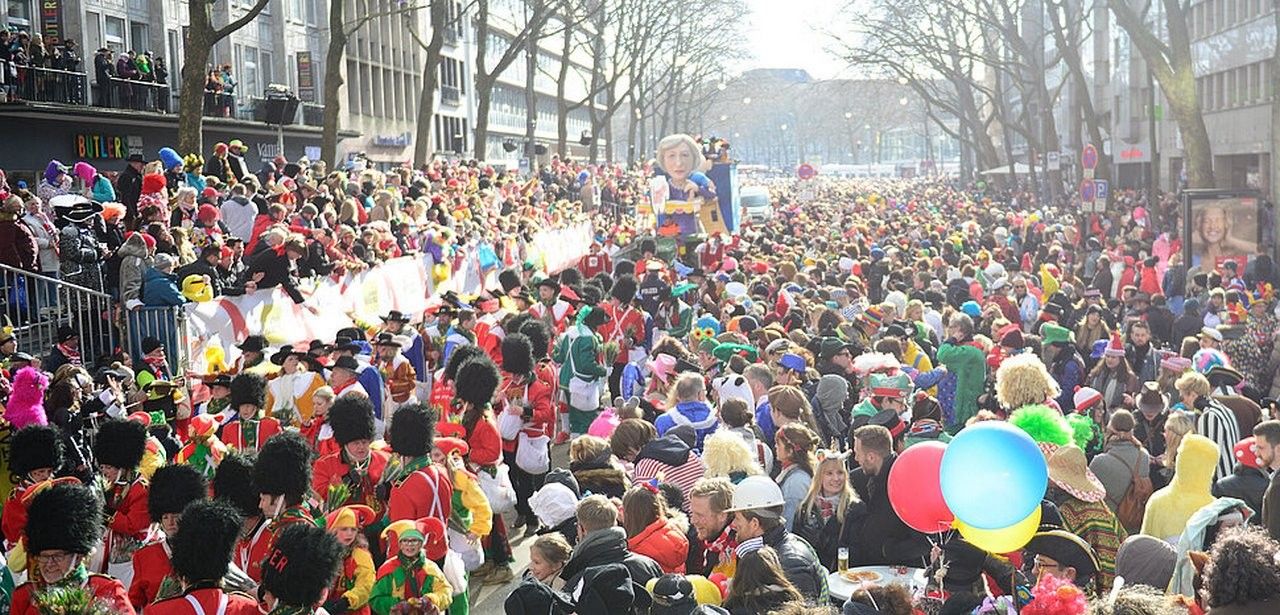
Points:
(1134, 504)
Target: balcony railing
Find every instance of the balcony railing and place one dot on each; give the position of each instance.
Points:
(219, 104)
(37, 84)
(137, 95)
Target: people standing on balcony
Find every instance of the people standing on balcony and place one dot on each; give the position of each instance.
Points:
(127, 70)
(161, 71)
(103, 70)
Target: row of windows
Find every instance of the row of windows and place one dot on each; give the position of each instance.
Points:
(1239, 87)
(379, 92)
(1212, 16)
(451, 134)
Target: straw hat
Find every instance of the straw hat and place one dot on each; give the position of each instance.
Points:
(1069, 471)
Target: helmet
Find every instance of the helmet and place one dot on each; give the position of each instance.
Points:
(755, 493)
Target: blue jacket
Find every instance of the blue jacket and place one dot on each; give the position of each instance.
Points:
(696, 414)
(160, 289)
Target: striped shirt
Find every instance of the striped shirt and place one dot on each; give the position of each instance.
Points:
(1219, 424)
(683, 476)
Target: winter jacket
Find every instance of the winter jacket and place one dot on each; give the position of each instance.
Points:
(885, 539)
(696, 414)
(238, 214)
(129, 188)
(828, 536)
(46, 241)
(134, 259)
(664, 542)
(18, 245)
(1245, 483)
(278, 270)
(160, 289)
(81, 257)
(799, 564)
(672, 458)
(601, 477)
(794, 483)
(1170, 507)
(609, 546)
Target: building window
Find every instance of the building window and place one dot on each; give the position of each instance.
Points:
(115, 35)
(264, 68)
(20, 14)
(138, 39)
(175, 57)
(92, 32)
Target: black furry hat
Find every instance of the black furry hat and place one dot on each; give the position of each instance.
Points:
(460, 355)
(570, 277)
(206, 537)
(233, 483)
(412, 429)
(624, 289)
(477, 380)
(595, 318)
(509, 280)
(591, 294)
(302, 563)
(603, 280)
(248, 388)
(284, 467)
(35, 447)
(517, 354)
(539, 335)
(648, 245)
(172, 488)
(65, 516)
(351, 418)
(623, 267)
(120, 443)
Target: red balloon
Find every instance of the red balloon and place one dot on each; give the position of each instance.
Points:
(915, 491)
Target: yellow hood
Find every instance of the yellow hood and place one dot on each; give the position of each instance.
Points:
(1197, 460)
(1170, 508)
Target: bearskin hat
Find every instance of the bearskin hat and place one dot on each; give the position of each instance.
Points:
(35, 447)
(623, 267)
(412, 429)
(570, 277)
(624, 289)
(284, 467)
(351, 418)
(603, 280)
(539, 335)
(517, 354)
(509, 280)
(207, 535)
(477, 381)
(460, 355)
(513, 324)
(248, 388)
(302, 563)
(121, 443)
(172, 488)
(591, 294)
(595, 318)
(233, 483)
(65, 516)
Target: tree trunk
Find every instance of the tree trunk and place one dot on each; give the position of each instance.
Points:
(562, 105)
(484, 93)
(422, 147)
(201, 37)
(531, 94)
(1185, 106)
(1075, 66)
(333, 82)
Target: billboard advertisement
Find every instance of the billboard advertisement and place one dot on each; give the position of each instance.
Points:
(1220, 227)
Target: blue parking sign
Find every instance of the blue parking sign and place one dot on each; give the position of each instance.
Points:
(1101, 189)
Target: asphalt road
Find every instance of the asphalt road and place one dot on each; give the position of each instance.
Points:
(488, 600)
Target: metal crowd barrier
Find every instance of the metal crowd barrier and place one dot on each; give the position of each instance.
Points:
(38, 305)
(165, 323)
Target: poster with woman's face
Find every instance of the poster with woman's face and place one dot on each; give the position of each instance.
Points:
(1224, 229)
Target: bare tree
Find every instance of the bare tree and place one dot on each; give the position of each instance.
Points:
(202, 35)
(1173, 67)
(430, 79)
(486, 76)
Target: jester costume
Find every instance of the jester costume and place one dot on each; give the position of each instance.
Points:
(407, 580)
(203, 450)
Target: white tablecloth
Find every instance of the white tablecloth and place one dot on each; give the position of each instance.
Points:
(840, 588)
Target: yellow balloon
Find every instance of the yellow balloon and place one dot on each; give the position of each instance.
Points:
(1003, 540)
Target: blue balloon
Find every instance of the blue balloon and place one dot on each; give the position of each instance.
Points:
(993, 475)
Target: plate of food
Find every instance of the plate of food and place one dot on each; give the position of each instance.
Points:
(862, 576)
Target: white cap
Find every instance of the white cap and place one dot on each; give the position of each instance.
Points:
(1211, 332)
(755, 493)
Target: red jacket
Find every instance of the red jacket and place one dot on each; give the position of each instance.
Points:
(13, 518)
(260, 548)
(425, 493)
(626, 327)
(664, 543)
(485, 443)
(330, 469)
(237, 603)
(131, 517)
(104, 588)
(592, 264)
(538, 394)
(231, 436)
(150, 567)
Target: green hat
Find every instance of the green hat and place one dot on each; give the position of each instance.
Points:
(898, 385)
(1056, 334)
(682, 288)
(724, 352)
(708, 345)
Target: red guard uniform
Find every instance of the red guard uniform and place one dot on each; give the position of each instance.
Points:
(103, 587)
(129, 520)
(206, 601)
(233, 436)
(329, 470)
(538, 395)
(593, 264)
(425, 492)
(259, 549)
(150, 567)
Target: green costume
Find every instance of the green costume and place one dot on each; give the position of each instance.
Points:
(578, 353)
(968, 367)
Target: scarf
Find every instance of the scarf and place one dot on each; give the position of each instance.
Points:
(722, 544)
(827, 506)
(159, 367)
(72, 354)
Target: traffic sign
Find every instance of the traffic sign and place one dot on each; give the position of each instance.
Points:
(806, 171)
(1102, 189)
(1055, 162)
(1089, 157)
(1088, 191)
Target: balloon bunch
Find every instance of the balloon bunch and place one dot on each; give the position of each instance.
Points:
(986, 483)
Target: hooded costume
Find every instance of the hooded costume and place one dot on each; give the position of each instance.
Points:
(33, 448)
(354, 584)
(283, 469)
(172, 488)
(1170, 507)
(122, 444)
(201, 551)
(25, 405)
(203, 450)
(67, 517)
(351, 419)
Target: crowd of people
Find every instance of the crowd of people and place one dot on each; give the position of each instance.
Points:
(732, 413)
